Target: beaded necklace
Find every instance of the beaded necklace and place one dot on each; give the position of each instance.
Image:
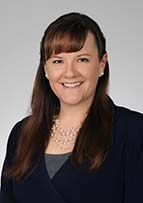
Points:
(67, 138)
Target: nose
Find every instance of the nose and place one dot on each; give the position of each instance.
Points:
(70, 70)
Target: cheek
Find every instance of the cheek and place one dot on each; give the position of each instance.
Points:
(54, 80)
(53, 75)
(93, 75)
(56, 88)
(92, 79)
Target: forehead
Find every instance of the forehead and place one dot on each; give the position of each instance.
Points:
(90, 43)
(68, 42)
(89, 47)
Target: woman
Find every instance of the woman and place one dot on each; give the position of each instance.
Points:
(77, 145)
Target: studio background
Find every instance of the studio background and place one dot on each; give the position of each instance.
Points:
(22, 24)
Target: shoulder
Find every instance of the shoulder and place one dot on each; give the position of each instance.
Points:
(125, 118)
(14, 135)
(17, 127)
(127, 125)
(129, 138)
(130, 119)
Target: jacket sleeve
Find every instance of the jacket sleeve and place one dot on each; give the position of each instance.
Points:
(134, 161)
(6, 192)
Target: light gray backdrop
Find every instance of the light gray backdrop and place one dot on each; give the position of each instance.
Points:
(22, 24)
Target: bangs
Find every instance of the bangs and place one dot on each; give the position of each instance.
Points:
(70, 39)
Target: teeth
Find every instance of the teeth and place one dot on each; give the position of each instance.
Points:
(76, 84)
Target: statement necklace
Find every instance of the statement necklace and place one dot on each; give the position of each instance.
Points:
(65, 138)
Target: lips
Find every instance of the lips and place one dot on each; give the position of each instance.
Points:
(72, 84)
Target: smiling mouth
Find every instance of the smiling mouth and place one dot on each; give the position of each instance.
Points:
(71, 84)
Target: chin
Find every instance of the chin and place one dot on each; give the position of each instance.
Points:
(71, 101)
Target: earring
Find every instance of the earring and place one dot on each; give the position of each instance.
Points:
(46, 75)
(101, 74)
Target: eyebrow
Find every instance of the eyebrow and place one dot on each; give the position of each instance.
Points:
(55, 56)
(84, 54)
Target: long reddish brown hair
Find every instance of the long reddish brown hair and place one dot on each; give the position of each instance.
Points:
(66, 34)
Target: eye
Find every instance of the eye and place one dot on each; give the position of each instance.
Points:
(58, 61)
(83, 60)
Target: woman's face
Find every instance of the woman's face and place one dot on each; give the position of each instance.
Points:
(73, 76)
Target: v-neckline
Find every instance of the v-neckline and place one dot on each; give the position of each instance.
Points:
(59, 170)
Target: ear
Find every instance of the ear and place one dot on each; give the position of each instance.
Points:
(45, 67)
(46, 74)
(103, 64)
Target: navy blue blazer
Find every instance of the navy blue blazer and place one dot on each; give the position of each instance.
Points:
(119, 180)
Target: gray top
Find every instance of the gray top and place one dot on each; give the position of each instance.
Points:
(55, 161)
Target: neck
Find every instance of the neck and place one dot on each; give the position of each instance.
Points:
(71, 116)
